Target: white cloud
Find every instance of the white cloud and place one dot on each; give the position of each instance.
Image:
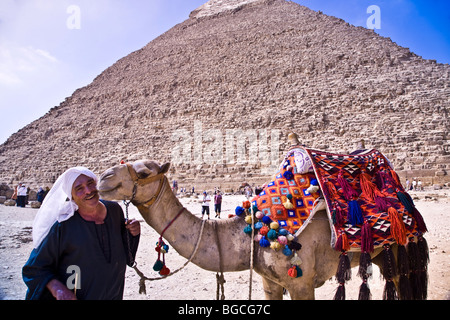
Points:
(18, 63)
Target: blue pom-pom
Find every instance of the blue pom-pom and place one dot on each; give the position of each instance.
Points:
(289, 196)
(258, 225)
(314, 182)
(248, 229)
(166, 247)
(287, 251)
(288, 175)
(283, 232)
(272, 234)
(264, 242)
(239, 210)
(266, 220)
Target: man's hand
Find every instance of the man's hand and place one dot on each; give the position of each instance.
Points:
(134, 227)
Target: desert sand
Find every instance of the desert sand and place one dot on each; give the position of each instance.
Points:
(194, 283)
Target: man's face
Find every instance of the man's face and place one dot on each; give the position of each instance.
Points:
(84, 192)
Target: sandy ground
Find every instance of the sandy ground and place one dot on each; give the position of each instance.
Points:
(193, 283)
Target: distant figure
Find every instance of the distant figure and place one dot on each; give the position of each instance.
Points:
(175, 186)
(21, 195)
(217, 203)
(414, 184)
(205, 204)
(408, 183)
(40, 195)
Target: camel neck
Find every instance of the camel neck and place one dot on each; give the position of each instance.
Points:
(216, 252)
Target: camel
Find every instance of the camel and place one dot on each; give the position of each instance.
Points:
(224, 247)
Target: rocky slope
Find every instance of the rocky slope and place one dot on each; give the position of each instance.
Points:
(217, 95)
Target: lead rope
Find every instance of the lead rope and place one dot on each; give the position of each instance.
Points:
(130, 255)
(143, 278)
(252, 245)
(219, 278)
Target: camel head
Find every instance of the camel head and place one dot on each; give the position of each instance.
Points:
(143, 178)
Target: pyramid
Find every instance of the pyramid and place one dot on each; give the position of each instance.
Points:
(217, 95)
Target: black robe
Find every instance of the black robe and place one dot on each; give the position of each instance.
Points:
(97, 252)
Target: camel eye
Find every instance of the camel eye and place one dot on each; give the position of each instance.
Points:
(106, 175)
(143, 175)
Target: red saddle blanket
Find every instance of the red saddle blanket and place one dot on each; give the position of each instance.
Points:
(366, 204)
(365, 200)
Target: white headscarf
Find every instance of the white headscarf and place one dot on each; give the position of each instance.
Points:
(55, 207)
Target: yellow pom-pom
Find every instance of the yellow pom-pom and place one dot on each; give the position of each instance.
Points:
(275, 245)
(274, 225)
(248, 219)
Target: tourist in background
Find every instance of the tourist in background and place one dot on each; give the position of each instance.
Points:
(21, 195)
(205, 203)
(217, 203)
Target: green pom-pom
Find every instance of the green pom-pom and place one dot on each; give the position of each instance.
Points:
(272, 234)
(158, 265)
(248, 229)
(289, 196)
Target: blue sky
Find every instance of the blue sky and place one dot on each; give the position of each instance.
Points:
(50, 48)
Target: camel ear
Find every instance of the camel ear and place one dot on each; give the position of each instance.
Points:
(164, 168)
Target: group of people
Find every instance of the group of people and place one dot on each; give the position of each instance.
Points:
(21, 192)
(217, 203)
(415, 185)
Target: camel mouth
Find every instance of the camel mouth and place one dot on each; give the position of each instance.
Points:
(106, 191)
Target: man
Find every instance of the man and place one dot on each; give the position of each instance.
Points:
(81, 244)
(21, 195)
(217, 203)
(205, 204)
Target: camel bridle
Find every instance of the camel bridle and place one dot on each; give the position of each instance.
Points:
(140, 182)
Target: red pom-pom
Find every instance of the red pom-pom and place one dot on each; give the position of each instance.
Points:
(164, 271)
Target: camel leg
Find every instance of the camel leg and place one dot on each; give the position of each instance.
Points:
(302, 292)
(272, 290)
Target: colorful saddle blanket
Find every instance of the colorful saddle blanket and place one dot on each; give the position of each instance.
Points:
(365, 182)
(286, 198)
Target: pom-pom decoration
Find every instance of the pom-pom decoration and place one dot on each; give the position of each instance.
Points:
(275, 245)
(295, 272)
(239, 211)
(266, 220)
(264, 242)
(158, 265)
(286, 251)
(264, 230)
(282, 240)
(272, 234)
(288, 175)
(274, 225)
